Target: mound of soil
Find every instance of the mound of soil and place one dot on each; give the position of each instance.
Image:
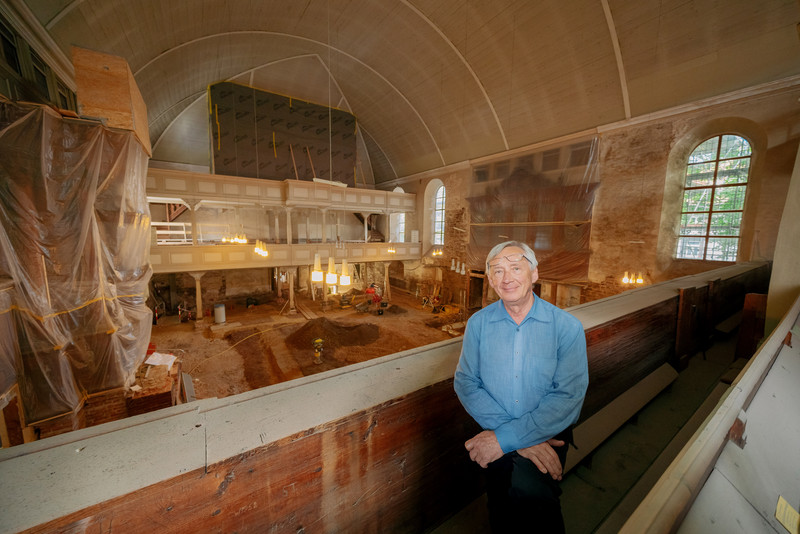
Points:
(333, 334)
(394, 309)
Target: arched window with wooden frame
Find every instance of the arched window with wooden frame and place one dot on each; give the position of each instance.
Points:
(715, 188)
(438, 216)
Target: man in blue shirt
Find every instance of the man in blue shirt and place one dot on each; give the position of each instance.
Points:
(522, 376)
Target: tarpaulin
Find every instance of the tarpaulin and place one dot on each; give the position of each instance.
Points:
(74, 245)
(544, 199)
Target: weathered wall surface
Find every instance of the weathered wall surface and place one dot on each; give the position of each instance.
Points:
(642, 169)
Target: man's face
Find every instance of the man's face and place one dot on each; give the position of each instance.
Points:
(511, 275)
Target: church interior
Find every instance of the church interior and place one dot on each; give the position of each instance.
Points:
(241, 242)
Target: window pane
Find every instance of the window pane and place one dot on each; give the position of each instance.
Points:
(700, 174)
(734, 146)
(696, 200)
(733, 171)
(550, 159)
(691, 248)
(729, 198)
(10, 52)
(722, 248)
(726, 223)
(544, 238)
(707, 151)
(694, 223)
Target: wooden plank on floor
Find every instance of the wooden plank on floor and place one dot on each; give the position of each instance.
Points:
(305, 311)
(592, 432)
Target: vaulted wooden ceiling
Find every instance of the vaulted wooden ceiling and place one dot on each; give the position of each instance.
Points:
(432, 82)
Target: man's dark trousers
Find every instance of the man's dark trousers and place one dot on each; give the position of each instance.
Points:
(522, 498)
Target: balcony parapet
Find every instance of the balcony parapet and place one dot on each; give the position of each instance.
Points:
(191, 188)
(183, 258)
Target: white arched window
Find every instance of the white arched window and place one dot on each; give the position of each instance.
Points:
(398, 222)
(400, 227)
(438, 216)
(713, 200)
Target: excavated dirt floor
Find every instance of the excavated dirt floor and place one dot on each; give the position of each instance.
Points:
(264, 345)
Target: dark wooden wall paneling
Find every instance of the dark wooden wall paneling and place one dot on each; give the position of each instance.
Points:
(397, 467)
(625, 350)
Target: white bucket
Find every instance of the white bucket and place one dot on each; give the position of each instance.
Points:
(219, 313)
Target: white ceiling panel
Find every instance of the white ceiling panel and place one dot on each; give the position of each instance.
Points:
(434, 82)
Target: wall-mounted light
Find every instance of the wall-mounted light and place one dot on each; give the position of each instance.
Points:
(634, 278)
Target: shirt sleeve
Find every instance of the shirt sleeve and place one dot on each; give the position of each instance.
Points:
(561, 405)
(478, 403)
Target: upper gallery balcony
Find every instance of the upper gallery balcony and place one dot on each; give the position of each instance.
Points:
(200, 220)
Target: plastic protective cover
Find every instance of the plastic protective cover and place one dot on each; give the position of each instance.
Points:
(75, 246)
(544, 199)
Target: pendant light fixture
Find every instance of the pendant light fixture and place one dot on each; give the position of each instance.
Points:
(344, 279)
(330, 276)
(316, 274)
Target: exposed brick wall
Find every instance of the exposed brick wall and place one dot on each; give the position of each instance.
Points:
(609, 287)
(60, 425)
(106, 406)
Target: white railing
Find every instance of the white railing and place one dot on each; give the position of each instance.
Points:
(172, 233)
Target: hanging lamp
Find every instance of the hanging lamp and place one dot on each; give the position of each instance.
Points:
(316, 274)
(330, 276)
(344, 279)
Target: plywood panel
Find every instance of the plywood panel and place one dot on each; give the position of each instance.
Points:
(107, 90)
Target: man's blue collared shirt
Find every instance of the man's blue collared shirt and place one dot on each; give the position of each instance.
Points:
(526, 382)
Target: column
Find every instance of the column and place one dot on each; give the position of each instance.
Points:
(366, 226)
(387, 289)
(324, 225)
(198, 295)
(193, 219)
(288, 226)
(292, 307)
(277, 228)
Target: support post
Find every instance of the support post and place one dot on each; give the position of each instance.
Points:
(366, 226)
(199, 316)
(292, 307)
(288, 226)
(387, 288)
(193, 219)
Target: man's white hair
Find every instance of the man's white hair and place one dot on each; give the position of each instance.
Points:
(527, 252)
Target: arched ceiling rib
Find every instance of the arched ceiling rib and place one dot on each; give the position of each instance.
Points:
(434, 82)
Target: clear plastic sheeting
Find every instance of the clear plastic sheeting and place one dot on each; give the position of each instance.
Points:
(75, 246)
(544, 199)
